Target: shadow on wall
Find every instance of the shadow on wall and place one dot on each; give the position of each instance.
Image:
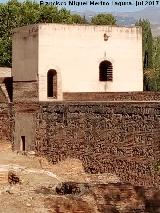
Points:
(151, 199)
(108, 198)
(2, 96)
(137, 198)
(9, 86)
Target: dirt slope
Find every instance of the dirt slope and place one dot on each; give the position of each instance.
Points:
(29, 184)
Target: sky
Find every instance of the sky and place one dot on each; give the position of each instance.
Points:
(111, 7)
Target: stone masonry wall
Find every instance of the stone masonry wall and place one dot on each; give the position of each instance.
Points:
(24, 124)
(5, 123)
(121, 138)
(3, 98)
(112, 96)
(25, 91)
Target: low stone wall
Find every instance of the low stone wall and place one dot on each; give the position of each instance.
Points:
(112, 96)
(120, 138)
(25, 91)
(5, 123)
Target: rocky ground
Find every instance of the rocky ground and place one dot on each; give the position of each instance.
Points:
(29, 184)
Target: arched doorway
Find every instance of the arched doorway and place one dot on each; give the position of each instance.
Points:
(52, 84)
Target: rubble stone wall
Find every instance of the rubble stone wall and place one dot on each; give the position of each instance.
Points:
(121, 138)
(111, 96)
(25, 91)
(5, 123)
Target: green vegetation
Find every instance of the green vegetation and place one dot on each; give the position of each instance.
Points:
(151, 57)
(103, 19)
(156, 63)
(16, 14)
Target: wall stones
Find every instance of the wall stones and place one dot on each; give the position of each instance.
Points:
(121, 138)
(112, 96)
(25, 91)
(5, 122)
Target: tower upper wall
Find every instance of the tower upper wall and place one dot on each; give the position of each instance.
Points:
(75, 53)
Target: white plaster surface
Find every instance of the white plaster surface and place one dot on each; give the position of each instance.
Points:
(5, 72)
(76, 51)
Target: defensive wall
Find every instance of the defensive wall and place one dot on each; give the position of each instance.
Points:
(5, 122)
(112, 96)
(115, 137)
(28, 91)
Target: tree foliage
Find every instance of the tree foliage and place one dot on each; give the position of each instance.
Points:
(77, 19)
(147, 47)
(147, 42)
(156, 62)
(151, 57)
(17, 14)
(103, 19)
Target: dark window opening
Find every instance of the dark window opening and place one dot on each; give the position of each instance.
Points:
(23, 145)
(105, 71)
(52, 84)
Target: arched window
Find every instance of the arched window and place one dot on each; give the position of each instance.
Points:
(52, 84)
(105, 71)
